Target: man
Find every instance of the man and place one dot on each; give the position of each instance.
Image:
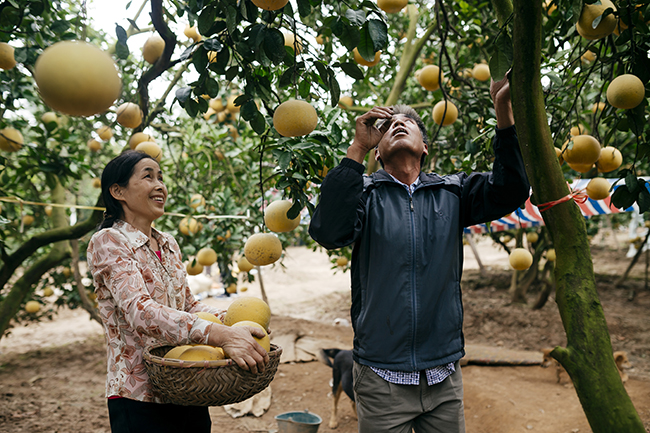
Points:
(406, 227)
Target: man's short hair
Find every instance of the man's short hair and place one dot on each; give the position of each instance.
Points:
(409, 112)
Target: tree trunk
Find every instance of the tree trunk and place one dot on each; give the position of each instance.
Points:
(588, 356)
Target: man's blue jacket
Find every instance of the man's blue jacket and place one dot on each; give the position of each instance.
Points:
(407, 258)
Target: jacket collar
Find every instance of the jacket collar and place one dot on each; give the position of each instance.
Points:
(135, 237)
(425, 178)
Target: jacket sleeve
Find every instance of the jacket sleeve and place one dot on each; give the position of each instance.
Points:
(338, 218)
(489, 196)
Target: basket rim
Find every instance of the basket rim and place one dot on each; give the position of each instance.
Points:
(154, 359)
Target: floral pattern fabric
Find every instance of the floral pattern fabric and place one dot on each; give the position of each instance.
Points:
(143, 301)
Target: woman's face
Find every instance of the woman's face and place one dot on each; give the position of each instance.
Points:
(144, 197)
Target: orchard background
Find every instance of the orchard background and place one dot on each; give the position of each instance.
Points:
(208, 102)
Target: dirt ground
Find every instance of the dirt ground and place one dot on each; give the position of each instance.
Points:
(52, 374)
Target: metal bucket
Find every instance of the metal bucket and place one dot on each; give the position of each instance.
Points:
(298, 422)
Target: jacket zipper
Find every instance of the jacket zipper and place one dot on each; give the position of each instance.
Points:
(413, 297)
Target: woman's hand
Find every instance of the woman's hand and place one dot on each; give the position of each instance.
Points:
(240, 346)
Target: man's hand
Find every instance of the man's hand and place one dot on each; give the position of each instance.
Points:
(238, 343)
(500, 93)
(367, 135)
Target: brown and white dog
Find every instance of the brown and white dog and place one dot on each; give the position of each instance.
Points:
(620, 357)
(341, 363)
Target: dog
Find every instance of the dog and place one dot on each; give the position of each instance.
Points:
(620, 357)
(341, 363)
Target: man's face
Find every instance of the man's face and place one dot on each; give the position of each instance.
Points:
(402, 134)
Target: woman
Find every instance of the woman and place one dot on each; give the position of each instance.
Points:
(143, 299)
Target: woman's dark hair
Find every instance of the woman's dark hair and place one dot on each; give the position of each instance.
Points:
(118, 171)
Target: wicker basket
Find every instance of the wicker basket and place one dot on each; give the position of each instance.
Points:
(205, 383)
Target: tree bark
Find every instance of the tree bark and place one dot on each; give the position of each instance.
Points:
(588, 356)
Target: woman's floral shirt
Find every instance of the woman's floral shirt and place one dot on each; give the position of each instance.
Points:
(143, 301)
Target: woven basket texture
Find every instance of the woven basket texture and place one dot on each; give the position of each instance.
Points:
(205, 383)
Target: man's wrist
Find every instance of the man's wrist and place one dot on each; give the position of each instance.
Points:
(356, 153)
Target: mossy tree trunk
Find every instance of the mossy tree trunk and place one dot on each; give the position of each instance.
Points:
(60, 251)
(588, 356)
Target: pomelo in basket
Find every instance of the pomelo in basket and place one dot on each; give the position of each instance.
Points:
(248, 308)
(265, 341)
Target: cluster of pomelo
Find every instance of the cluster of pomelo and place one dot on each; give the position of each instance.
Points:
(245, 311)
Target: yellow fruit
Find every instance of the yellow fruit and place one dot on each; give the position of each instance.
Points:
(585, 150)
(212, 56)
(248, 308)
(342, 261)
(97, 183)
(219, 154)
(243, 289)
(49, 117)
(294, 118)
(320, 39)
(550, 255)
(521, 259)
(230, 104)
(7, 60)
(197, 200)
(391, 6)
(48, 210)
(481, 72)
(32, 307)
(290, 41)
(11, 140)
(193, 270)
(532, 237)
(209, 316)
(625, 91)
(129, 115)
(94, 145)
(550, 7)
(360, 60)
(244, 265)
(48, 291)
(558, 153)
(346, 102)
(232, 288)
(209, 113)
(429, 77)
(66, 272)
(270, 5)
(265, 341)
(598, 188)
(28, 220)
(216, 104)
(153, 48)
(206, 256)
(192, 33)
(275, 217)
(232, 131)
(188, 226)
(151, 149)
(589, 13)
(577, 130)
(201, 353)
(104, 132)
(450, 115)
(176, 351)
(77, 78)
(610, 159)
(263, 249)
(138, 138)
(598, 106)
(580, 168)
(588, 56)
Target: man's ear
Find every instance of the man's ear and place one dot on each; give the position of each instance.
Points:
(426, 149)
(377, 154)
(116, 191)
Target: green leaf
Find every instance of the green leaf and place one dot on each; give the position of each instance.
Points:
(304, 88)
(206, 19)
(632, 183)
(192, 107)
(499, 64)
(335, 90)
(213, 44)
(121, 50)
(356, 18)
(644, 199)
(294, 211)
(248, 110)
(378, 32)
(200, 60)
(352, 70)
(59, 26)
(304, 8)
(231, 73)
(349, 36)
(366, 46)
(622, 198)
(121, 34)
(273, 45)
(183, 94)
(258, 123)
(231, 19)
(212, 87)
(284, 160)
